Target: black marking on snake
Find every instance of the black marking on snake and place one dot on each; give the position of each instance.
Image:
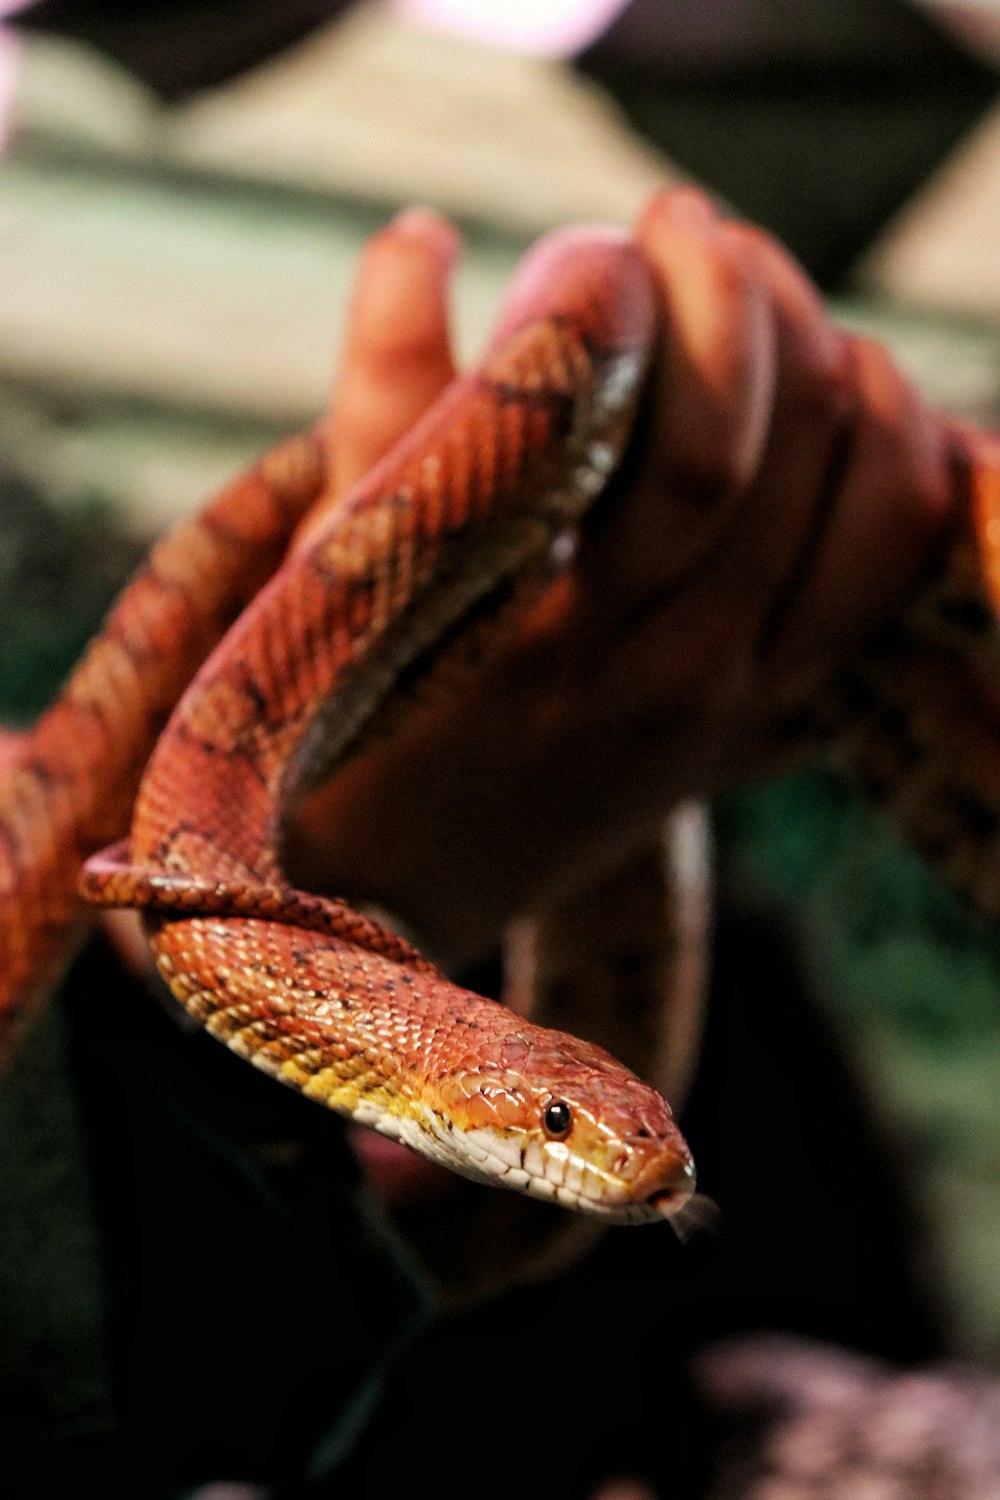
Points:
(598, 352)
(260, 967)
(325, 556)
(300, 957)
(416, 676)
(560, 406)
(319, 561)
(170, 838)
(271, 643)
(207, 746)
(250, 688)
(482, 612)
(508, 461)
(245, 749)
(322, 631)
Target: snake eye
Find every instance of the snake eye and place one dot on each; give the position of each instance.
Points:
(557, 1120)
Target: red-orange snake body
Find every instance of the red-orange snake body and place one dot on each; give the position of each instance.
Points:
(430, 545)
(420, 558)
(69, 784)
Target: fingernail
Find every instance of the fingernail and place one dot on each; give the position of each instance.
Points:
(685, 207)
(428, 228)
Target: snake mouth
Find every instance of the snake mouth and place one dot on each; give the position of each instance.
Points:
(669, 1201)
(670, 1198)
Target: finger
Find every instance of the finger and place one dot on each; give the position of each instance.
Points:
(850, 492)
(742, 592)
(707, 416)
(397, 355)
(688, 568)
(856, 471)
(796, 485)
(718, 358)
(711, 401)
(732, 610)
(892, 506)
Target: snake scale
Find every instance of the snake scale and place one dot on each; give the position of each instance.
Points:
(463, 517)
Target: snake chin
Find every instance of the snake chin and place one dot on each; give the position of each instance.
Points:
(644, 1187)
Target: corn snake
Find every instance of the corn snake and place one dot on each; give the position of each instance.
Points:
(178, 878)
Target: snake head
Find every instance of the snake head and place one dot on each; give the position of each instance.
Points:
(559, 1118)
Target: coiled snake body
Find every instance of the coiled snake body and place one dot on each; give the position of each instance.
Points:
(428, 548)
(423, 556)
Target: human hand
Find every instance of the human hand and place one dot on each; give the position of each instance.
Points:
(783, 499)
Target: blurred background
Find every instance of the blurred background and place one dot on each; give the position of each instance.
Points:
(183, 193)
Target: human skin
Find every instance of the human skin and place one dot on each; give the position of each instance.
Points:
(784, 497)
